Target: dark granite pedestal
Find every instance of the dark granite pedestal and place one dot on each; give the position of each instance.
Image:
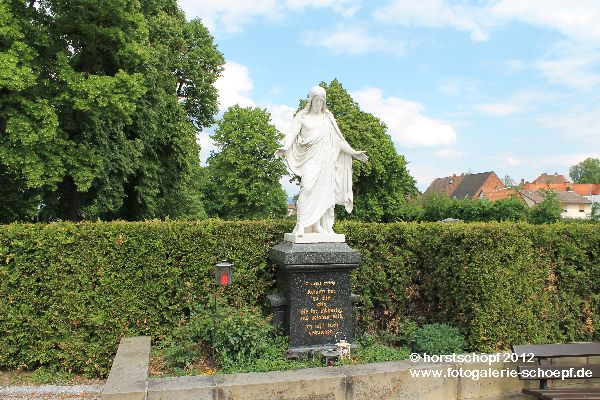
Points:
(314, 303)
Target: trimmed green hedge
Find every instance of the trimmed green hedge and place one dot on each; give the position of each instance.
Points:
(69, 292)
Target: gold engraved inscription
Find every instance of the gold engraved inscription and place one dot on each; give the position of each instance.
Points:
(321, 319)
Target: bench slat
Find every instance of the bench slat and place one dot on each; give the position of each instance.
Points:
(559, 350)
(564, 393)
(572, 397)
(532, 372)
(563, 396)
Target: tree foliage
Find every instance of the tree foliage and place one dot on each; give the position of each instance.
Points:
(595, 212)
(436, 207)
(382, 185)
(243, 175)
(587, 171)
(99, 102)
(548, 211)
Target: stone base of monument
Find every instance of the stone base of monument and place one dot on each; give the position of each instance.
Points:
(315, 238)
(314, 303)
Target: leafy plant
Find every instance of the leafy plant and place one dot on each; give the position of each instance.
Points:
(548, 211)
(596, 212)
(439, 339)
(372, 349)
(238, 333)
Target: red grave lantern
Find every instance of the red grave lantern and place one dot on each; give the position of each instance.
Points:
(223, 273)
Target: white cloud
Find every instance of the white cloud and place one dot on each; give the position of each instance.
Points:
(281, 116)
(512, 161)
(513, 66)
(345, 7)
(353, 41)
(449, 153)
(407, 126)
(459, 87)
(574, 18)
(234, 86)
(524, 100)
(572, 65)
(435, 14)
(207, 145)
(577, 124)
(425, 172)
(558, 162)
(231, 16)
(497, 109)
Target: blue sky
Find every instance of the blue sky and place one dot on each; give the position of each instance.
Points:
(511, 86)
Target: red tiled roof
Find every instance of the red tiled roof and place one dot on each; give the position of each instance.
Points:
(502, 194)
(445, 185)
(584, 189)
(552, 179)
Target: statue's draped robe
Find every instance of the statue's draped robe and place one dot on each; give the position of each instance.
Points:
(324, 168)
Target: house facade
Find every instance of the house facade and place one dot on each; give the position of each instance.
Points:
(573, 204)
(467, 186)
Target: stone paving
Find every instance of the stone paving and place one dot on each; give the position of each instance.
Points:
(51, 392)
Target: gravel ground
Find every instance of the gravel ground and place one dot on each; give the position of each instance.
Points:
(51, 392)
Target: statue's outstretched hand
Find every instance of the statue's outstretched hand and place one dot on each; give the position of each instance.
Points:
(280, 153)
(361, 156)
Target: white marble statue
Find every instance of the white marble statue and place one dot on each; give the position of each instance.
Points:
(317, 152)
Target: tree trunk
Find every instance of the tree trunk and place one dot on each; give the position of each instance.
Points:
(74, 200)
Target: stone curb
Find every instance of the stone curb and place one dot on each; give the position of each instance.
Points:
(128, 376)
(128, 380)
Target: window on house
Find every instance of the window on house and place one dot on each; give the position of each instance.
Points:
(581, 210)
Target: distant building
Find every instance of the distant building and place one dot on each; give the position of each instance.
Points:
(573, 204)
(544, 178)
(291, 209)
(591, 191)
(467, 186)
(502, 194)
(445, 185)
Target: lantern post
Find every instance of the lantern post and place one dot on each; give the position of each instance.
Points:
(223, 277)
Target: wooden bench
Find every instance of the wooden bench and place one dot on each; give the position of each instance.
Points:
(538, 367)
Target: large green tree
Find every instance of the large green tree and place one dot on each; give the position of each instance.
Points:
(587, 171)
(243, 174)
(382, 185)
(99, 106)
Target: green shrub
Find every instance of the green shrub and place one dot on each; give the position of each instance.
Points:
(238, 333)
(372, 349)
(595, 212)
(69, 292)
(439, 339)
(270, 359)
(548, 211)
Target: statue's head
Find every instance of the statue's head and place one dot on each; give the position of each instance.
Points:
(316, 92)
